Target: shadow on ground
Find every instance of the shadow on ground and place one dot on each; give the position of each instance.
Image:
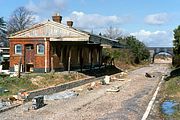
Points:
(109, 70)
(173, 73)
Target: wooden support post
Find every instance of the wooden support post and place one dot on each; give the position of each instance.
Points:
(99, 52)
(25, 65)
(91, 51)
(77, 76)
(81, 58)
(69, 60)
(61, 59)
(69, 64)
(52, 64)
(19, 68)
(89, 56)
(78, 56)
(46, 57)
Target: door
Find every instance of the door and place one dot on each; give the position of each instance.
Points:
(29, 57)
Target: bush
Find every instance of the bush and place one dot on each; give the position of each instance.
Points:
(137, 48)
(176, 61)
(124, 56)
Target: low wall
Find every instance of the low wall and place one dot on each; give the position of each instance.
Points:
(59, 88)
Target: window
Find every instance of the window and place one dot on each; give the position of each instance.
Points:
(18, 49)
(40, 49)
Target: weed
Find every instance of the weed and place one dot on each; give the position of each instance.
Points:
(171, 91)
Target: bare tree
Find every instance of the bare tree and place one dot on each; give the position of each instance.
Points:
(20, 19)
(113, 33)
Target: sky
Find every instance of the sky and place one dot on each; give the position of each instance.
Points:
(151, 21)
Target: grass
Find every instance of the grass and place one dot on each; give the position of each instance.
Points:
(14, 84)
(171, 91)
(172, 88)
(34, 81)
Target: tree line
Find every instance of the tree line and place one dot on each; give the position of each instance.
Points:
(137, 48)
(134, 52)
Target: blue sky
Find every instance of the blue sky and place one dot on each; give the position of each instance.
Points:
(151, 21)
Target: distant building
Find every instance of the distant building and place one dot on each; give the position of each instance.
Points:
(4, 58)
(50, 45)
(4, 52)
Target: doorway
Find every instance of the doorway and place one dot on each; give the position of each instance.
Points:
(29, 57)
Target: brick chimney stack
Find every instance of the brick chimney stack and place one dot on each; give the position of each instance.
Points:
(70, 23)
(57, 18)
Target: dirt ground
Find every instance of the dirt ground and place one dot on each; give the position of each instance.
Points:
(128, 104)
(166, 60)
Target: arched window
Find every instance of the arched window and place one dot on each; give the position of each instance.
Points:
(18, 49)
(40, 49)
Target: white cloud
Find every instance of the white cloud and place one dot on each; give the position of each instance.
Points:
(95, 21)
(40, 6)
(156, 38)
(157, 19)
(43, 9)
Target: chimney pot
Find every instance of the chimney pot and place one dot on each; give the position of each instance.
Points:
(57, 18)
(70, 23)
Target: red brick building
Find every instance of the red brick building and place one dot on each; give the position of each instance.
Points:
(50, 45)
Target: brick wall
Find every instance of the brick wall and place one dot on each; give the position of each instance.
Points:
(39, 60)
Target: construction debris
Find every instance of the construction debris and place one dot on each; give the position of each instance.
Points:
(113, 78)
(1, 105)
(148, 75)
(38, 102)
(91, 86)
(12, 99)
(113, 89)
(106, 80)
(23, 95)
(121, 79)
(123, 73)
(79, 90)
(15, 74)
(4, 104)
(118, 79)
(61, 95)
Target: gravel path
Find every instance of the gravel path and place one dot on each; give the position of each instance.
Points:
(128, 104)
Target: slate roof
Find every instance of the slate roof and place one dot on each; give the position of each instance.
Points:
(60, 32)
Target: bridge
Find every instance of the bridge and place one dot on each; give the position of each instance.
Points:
(156, 50)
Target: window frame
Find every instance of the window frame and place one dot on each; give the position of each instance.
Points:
(16, 50)
(38, 49)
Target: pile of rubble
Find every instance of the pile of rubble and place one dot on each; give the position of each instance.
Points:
(13, 100)
(38, 101)
(106, 81)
